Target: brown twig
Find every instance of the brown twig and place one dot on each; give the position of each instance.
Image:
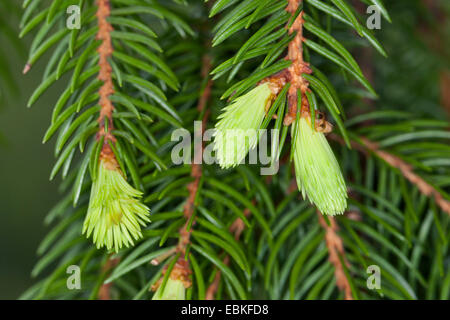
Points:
(445, 89)
(105, 290)
(156, 261)
(212, 289)
(336, 248)
(299, 84)
(196, 168)
(408, 172)
(293, 74)
(181, 270)
(298, 66)
(237, 227)
(105, 51)
(406, 169)
(334, 245)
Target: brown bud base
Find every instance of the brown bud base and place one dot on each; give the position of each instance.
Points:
(180, 272)
(109, 158)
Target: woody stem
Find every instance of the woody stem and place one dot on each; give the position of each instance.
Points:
(105, 51)
(298, 66)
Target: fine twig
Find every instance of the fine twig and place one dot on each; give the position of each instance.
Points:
(105, 50)
(237, 227)
(335, 249)
(365, 146)
(181, 269)
(298, 66)
(293, 74)
(196, 168)
(104, 292)
(335, 245)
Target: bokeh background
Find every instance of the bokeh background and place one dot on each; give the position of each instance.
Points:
(26, 194)
(416, 73)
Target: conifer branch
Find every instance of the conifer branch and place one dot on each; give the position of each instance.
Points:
(212, 289)
(196, 168)
(298, 66)
(365, 146)
(105, 290)
(408, 172)
(237, 227)
(260, 47)
(293, 74)
(335, 249)
(105, 51)
(156, 261)
(181, 269)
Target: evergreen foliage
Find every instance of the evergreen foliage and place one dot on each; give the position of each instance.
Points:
(250, 236)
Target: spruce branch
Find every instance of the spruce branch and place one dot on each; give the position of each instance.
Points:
(157, 261)
(181, 270)
(157, 46)
(334, 245)
(105, 290)
(294, 73)
(196, 168)
(367, 146)
(105, 51)
(408, 172)
(298, 66)
(237, 227)
(335, 249)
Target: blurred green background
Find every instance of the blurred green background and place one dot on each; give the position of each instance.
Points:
(26, 194)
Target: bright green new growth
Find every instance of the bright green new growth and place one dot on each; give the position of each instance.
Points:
(115, 215)
(317, 171)
(174, 290)
(237, 130)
